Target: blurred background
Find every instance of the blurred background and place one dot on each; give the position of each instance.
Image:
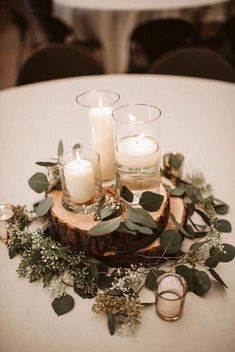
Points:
(44, 39)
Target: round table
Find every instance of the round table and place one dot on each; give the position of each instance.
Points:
(112, 22)
(197, 120)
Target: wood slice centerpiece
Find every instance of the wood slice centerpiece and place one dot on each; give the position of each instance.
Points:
(115, 247)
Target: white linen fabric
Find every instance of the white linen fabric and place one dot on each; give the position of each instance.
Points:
(198, 121)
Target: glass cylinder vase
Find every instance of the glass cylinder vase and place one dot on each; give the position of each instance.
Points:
(81, 180)
(137, 150)
(100, 104)
(7, 213)
(170, 296)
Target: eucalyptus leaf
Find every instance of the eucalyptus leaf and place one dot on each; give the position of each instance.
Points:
(171, 241)
(174, 161)
(197, 245)
(177, 192)
(187, 274)
(201, 282)
(221, 209)
(63, 304)
(82, 293)
(151, 201)
(111, 323)
(141, 216)
(47, 278)
(60, 149)
(179, 226)
(151, 279)
(106, 212)
(228, 253)
(136, 227)
(44, 206)
(212, 261)
(38, 182)
(94, 272)
(217, 277)
(203, 216)
(46, 163)
(127, 194)
(104, 281)
(123, 229)
(224, 226)
(105, 227)
(191, 209)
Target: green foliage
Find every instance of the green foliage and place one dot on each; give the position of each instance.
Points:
(44, 206)
(111, 323)
(171, 241)
(63, 304)
(127, 194)
(151, 201)
(38, 182)
(105, 227)
(140, 216)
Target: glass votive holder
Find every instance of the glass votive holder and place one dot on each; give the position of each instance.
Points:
(137, 150)
(100, 104)
(170, 296)
(81, 180)
(7, 213)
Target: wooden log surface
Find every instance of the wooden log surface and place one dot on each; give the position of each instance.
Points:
(73, 229)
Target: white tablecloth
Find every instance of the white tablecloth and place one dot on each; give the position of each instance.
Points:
(112, 22)
(197, 120)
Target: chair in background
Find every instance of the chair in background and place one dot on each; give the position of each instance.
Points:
(57, 61)
(10, 12)
(228, 33)
(194, 62)
(157, 37)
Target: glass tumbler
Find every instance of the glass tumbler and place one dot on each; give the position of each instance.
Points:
(137, 150)
(7, 213)
(81, 180)
(170, 296)
(99, 103)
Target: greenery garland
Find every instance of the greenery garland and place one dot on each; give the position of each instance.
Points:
(116, 292)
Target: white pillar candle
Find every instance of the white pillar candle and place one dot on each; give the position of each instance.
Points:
(138, 152)
(80, 180)
(102, 138)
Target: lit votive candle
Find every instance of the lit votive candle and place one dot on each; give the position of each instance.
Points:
(170, 296)
(80, 180)
(6, 214)
(102, 138)
(138, 152)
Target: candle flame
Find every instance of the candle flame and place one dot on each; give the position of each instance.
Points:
(100, 103)
(140, 137)
(132, 118)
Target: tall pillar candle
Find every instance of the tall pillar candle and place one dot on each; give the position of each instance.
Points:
(100, 104)
(102, 138)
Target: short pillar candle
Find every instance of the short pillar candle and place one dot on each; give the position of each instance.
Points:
(80, 180)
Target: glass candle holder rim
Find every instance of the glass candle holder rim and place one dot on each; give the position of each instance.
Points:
(9, 207)
(98, 90)
(183, 282)
(60, 163)
(136, 122)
